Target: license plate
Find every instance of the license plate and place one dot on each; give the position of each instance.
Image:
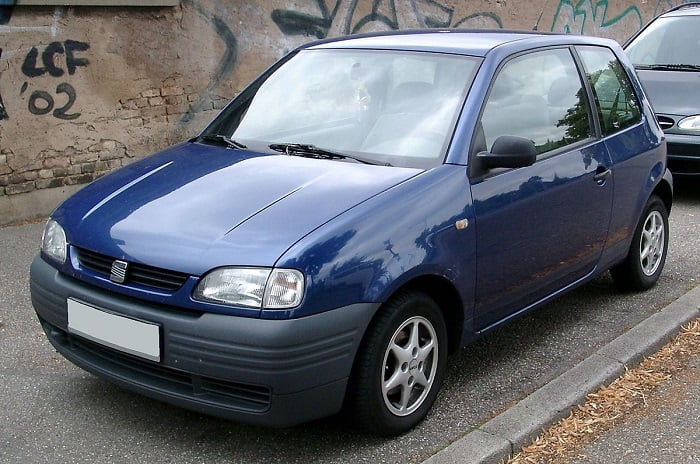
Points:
(121, 333)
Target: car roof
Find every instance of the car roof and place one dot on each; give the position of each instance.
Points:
(457, 41)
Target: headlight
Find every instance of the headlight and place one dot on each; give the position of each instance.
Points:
(690, 123)
(252, 287)
(53, 241)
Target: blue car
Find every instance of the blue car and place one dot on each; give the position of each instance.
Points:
(365, 207)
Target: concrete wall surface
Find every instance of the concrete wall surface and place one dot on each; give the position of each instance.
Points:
(87, 89)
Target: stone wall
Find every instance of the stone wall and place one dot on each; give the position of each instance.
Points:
(84, 90)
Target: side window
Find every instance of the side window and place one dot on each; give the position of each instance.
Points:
(618, 107)
(538, 96)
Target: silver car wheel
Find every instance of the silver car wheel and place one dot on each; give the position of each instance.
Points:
(651, 246)
(409, 367)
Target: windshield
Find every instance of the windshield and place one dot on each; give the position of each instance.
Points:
(385, 107)
(668, 41)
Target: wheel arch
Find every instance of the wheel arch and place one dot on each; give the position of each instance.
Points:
(358, 403)
(444, 293)
(664, 190)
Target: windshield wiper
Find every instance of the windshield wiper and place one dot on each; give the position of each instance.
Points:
(669, 67)
(312, 151)
(221, 139)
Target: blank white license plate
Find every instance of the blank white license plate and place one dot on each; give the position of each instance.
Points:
(118, 332)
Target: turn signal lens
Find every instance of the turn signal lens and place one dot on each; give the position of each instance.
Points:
(284, 289)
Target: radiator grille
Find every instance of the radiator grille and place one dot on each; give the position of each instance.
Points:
(139, 274)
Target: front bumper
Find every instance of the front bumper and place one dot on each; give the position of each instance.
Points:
(683, 154)
(268, 372)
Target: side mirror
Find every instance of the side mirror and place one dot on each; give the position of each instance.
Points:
(509, 151)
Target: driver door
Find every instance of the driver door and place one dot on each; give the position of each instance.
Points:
(542, 227)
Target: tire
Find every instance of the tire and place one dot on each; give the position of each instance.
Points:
(400, 366)
(645, 260)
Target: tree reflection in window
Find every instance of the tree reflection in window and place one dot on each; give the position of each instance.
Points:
(576, 121)
(617, 103)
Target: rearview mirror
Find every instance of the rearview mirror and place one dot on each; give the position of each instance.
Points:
(509, 151)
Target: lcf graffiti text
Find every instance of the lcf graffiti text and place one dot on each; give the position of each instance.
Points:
(38, 64)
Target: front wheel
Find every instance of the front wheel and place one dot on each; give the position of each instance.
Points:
(647, 255)
(400, 366)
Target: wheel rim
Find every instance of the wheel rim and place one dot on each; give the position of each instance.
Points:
(409, 366)
(651, 245)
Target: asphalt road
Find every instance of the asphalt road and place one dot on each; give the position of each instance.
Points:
(51, 411)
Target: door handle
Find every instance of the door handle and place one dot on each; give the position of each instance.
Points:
(601, 174)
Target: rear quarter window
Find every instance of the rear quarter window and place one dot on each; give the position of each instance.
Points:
(617, 104)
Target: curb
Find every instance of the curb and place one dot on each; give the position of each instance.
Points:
(507, 433)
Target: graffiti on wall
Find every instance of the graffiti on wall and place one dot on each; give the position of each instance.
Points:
(325, 18)
(592, 18)
(664, 5)
(6, 7)
(3, 111)
(225, 65)
(37, 64)
(344, 18)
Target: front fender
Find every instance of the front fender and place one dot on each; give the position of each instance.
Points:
(371, 250)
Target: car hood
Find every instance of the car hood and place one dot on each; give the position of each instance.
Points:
(195, 207)
(672, 92)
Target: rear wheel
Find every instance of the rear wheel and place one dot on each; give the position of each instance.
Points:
(647, 255)
(400, 366)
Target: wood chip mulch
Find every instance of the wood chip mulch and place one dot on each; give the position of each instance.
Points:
(608, 406)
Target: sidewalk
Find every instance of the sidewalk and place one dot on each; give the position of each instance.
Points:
(505, 434)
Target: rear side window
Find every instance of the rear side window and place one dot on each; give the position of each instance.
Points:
(618, 107)
(538, 96)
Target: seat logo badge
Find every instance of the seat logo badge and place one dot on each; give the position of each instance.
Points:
(118, 272)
